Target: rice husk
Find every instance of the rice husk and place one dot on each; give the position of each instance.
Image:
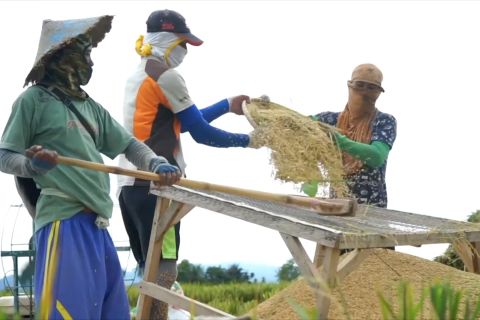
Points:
(303, 149)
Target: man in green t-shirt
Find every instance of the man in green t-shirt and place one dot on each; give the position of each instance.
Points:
(77, 271)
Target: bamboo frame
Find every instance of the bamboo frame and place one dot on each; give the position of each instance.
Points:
(337, 207)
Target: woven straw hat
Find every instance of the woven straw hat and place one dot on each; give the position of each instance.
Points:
(57, 34)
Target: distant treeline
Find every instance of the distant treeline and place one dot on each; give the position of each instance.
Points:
(189, 272)
(195, 273)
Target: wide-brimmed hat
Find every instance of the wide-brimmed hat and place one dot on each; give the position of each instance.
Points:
(171, 21)
(57, 34)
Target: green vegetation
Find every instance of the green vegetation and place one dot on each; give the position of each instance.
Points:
(4, 316)
(233, 298)
(444, 300)
(188, 272)
(288, 271)
(408, 308)
(194, 273)
(5, 293)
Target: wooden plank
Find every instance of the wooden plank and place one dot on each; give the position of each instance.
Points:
(153, 258)
(462, 248)
(194, 307)
(167, 218)
(409, 218)
(476, 257)
(371, 228)
(468, 252)
(328, 273)
(278, 222)
(384, 240)
(350, 262)
(304, 263)
(319, 255)
(182, 212)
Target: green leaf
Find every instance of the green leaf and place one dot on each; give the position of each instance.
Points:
(310, 188)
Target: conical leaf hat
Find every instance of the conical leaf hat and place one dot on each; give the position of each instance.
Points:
(57, 34)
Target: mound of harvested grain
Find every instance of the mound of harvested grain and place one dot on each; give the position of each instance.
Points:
(357, 296)
(303, 149)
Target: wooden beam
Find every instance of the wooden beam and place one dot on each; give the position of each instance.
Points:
(351, 261)
(328, 273)
(167, 218)
(469, 253)
(153, 258)
(319, 254)
(476, 257)
(464, 250)
(304, 263)
(194, 307)
(182, 212)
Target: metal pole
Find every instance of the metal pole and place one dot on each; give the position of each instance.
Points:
(15, 287)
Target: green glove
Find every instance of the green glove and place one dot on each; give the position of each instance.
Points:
(310, 188)
(342, 140)
(373, 155)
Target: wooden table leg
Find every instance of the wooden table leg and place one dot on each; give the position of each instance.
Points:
(476, 257)
(328, 273)
(319, 254)
(308, 270)
(469, 253)
(153, 257)
(322, 280)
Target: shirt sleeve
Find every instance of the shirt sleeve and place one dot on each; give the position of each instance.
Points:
(215, 110)
(385, 129)
(17, 133)
(201, 131)
(113, 137)
(175, 90)
(327, 117)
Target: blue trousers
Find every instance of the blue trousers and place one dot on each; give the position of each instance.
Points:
(77, 272)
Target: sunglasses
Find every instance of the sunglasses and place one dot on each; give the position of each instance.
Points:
(362, 85)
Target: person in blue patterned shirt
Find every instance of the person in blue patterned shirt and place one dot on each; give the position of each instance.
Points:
(366, 138)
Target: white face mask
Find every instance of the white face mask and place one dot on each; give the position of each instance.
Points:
(176, 56)
(162, 42)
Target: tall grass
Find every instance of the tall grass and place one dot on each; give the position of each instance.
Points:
(233, 298)
(408, 308)
(445, 301)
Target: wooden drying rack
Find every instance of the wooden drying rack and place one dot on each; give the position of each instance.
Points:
(332, 224)
(369, 228)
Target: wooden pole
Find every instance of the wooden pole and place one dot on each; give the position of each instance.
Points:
(326, 207)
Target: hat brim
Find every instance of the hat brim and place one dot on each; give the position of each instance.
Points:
(379, 86)
(190, 38)
(58, 34)
(371, 82)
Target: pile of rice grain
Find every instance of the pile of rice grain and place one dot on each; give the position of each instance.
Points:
(302, 148)
(356, 296)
